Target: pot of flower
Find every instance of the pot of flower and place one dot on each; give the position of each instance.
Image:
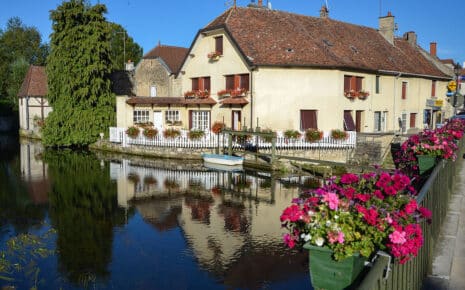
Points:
(218, 127)
(133, 132)
(150, 133)
(348, 219)
(337, 134)
(196, 134)
(292, 134)
(171, 133)
(313, 135)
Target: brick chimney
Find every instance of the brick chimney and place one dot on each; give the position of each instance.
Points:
(386, 27)
(324, 12)
(260, 3)
(433, 49)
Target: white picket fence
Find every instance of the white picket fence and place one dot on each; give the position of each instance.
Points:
(211, 140)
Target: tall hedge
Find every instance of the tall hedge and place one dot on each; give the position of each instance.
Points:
(78, 69)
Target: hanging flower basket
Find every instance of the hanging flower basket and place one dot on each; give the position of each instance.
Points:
(313, 135)
(133, 132)
(217, 127)
(150, 133)
(214, 56)
(339, 134)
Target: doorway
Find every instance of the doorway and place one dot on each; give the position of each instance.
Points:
(236, 120)
(157, 119)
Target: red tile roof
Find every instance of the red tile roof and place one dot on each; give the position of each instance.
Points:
(164, 101)
(35, 82)
(173, 56)
(276, 38)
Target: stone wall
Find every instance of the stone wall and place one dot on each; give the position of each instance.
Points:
(152, 72)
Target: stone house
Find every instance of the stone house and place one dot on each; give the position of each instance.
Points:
(253, 66)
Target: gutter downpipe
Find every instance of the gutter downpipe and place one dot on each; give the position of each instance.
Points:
(251, 96)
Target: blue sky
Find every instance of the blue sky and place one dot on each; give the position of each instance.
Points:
(176, 22)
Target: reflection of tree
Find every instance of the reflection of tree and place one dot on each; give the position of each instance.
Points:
(234, 218)
(83, 210)
(200, 207)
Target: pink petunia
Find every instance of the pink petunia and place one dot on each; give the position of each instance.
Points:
(397, 237)
(332, 200)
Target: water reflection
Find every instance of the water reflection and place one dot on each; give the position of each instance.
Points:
(134, 223)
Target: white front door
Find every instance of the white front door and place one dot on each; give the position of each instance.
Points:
(157, 119)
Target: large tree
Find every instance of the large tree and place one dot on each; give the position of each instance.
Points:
(78, 70)
(19, 46)
(123, 47)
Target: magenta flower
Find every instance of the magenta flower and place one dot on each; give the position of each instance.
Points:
(397, 237)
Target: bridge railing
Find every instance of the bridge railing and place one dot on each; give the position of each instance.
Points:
(435, 195)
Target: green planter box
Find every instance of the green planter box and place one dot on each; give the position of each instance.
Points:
(425, 163)
(329, 274)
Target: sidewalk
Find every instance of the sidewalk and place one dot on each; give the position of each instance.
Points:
(448, 271)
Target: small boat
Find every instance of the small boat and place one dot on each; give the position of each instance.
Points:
(223, 159)
(221, 167)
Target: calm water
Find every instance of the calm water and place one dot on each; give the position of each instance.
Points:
(113, 222)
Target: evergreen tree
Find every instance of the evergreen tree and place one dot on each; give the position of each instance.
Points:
(78, 70)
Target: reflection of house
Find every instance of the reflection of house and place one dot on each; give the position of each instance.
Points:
(34, 171)
(251, 66)
(33, 104)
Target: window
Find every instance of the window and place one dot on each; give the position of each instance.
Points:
(433, 88)
(199, 120)
(140, 116)
(352, 83)
(201, 84)
(172, 116)
(413, 120)
(153, 90)
(237, 82)
(403, 122)
(377, 127)
(377, 84)
(219, 44)
(349, 124)
(308, 119)
(404, 90)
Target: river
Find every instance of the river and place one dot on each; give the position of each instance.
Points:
(85, 220)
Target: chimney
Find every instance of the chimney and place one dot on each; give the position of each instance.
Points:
(324, 12)
(411, 37)
(433, 49)
(386, 27)
(260, 3)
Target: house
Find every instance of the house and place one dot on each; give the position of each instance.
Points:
(157, 94)
(257, 67)
(33, 104)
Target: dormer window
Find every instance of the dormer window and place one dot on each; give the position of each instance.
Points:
(219, 44)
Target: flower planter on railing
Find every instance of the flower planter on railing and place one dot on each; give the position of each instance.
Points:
(426, 163)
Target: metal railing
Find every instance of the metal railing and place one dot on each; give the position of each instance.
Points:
(435, 195)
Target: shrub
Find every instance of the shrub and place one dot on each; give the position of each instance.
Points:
(292, 134)
(150, 133)
(196, 134)
(339, 134)
(313, 135)
(133, 132)
(171, 133)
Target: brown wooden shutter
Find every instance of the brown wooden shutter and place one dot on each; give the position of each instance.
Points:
(195, 84)
(219, 44)
(206, 83)
(308, 119)
(349, 124)
(404, 90)
(346, 83)
(245, 81)
(358, 84)
(433, 88)
(413, 118)
(230, 82)
(353, 83)
(237, 82)
(190, 119)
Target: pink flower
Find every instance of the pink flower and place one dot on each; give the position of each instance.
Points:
(334, 237)
(289, 241)
(411, 207)
(397, 237)
(349, 178)
(332, 200)
(426, 213)
(292, 213)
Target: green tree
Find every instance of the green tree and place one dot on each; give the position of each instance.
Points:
(123, 47)
(19, 44)
(78, 70)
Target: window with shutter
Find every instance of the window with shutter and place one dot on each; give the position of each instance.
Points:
(349, 124)
(206, 83)
(230, 82)
(245, 81)
(308, 119)
(404, 90)
(347, 83)
(433, 88)
(377, 84)
(219, 44)
(195, 84)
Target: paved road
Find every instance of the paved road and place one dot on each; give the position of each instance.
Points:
(448, 271)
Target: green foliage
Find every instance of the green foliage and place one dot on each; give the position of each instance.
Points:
(19, 46)
(196, 134)
(313, 135)
(171, 133)
(133, 132)
(338, 134)
(78, 70)
(292, 134)
(122, 47)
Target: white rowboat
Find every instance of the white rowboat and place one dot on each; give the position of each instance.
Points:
(223, 159)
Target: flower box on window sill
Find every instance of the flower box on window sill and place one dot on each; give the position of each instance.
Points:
(362, 95)
(232, 93)
(214, 56)
(197, 94)
(173, 123)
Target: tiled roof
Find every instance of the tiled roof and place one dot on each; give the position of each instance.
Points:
(276, 38)
(35, 82)
(234, 101)
(173, 56)
(163, 101)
